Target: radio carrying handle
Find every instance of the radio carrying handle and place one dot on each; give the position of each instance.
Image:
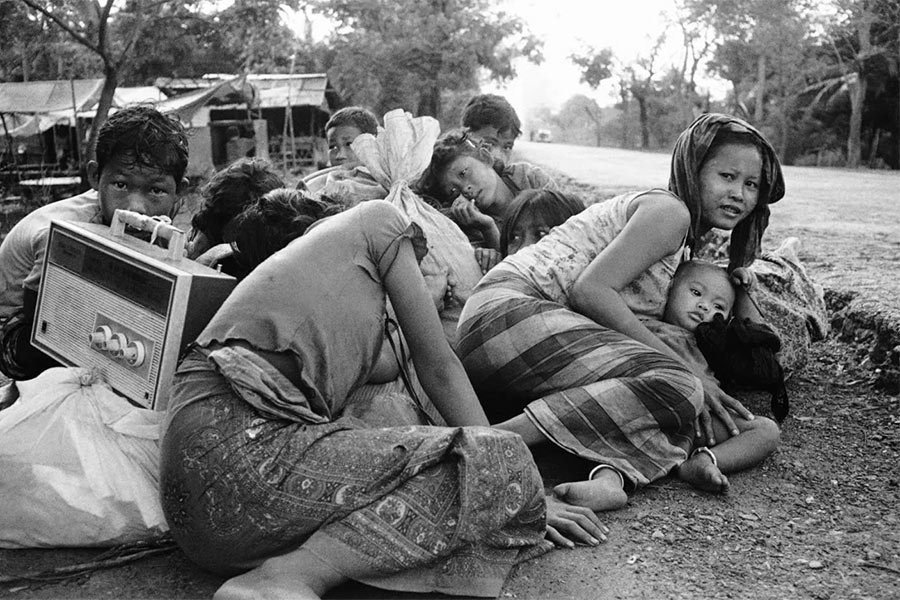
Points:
(157, 226)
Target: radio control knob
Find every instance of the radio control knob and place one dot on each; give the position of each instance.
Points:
(116, 345)
(100, 337)
(134, 353)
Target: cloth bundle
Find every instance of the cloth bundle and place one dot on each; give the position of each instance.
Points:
(396, 158)
(744, 353)
(79, 465)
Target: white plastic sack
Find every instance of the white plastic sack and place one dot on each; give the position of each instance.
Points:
(399, 155)
(79, 465)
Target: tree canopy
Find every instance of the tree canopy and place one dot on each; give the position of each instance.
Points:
(404, 53)
(821, 78)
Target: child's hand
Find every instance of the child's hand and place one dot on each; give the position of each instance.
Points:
(487, 258)
(744, 277)
(465, 213)
(212, 257)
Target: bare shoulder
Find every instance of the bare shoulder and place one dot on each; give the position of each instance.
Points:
(660, 216)
(661, 204)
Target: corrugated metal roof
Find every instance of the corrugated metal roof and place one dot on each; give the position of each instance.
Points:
(275, 89)
(33, 97)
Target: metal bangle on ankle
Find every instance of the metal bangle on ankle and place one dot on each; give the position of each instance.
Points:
(602, 466)
(706, 451)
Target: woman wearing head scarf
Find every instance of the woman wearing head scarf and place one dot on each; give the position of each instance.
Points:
(552, 337)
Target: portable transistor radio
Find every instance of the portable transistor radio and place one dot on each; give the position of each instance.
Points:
(122, 305)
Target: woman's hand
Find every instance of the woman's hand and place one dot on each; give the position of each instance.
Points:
(487, 258)
(744, 278)
(716, 402)
(568, 525)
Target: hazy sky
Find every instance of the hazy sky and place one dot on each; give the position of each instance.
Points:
(628, 27)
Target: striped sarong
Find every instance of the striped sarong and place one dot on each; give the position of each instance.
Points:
(590, 390)
(407, 508)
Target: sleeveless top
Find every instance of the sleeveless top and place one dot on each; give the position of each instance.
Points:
(321, 301)
(549, 268)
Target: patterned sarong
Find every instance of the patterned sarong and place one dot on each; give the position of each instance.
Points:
(591, 390)
(421, 509)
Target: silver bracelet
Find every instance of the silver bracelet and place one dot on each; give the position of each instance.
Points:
(602, 466)
(706, 451)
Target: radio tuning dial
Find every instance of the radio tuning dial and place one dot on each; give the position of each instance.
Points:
(100, 337)
(116, 345)
(134, 353)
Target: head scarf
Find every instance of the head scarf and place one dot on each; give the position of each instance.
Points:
(690, 151)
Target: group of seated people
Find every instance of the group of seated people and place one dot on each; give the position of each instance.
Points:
(580, 334)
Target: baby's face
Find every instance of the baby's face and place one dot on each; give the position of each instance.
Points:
(697, 296)
(339, 151)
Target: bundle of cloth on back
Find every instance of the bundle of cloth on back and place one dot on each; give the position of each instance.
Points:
(79, 465)
(398, 156)
(744, 353)
(791, 302)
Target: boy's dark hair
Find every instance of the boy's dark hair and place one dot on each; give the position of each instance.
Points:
(272, 221)
(447, 148)
(555, 207)
(230, 191)
(354, 116)
(142, 136)
(491, 110)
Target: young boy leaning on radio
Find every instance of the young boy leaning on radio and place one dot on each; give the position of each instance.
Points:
(140, 163)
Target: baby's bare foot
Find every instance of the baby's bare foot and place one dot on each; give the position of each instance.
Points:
(701, 472)
(604, 492)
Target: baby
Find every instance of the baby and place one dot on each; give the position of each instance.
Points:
(701, 290)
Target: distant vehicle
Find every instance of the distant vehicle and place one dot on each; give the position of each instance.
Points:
(544, 135)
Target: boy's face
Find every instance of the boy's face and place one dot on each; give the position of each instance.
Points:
(697, 296)
(137, 188)
(501, 143)
(339, 151)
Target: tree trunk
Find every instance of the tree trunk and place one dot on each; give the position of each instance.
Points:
(645, 122)
(873, 149)
(758, 114)
(430, 100)
(623, 93)
(858, 85)
(26, 65)
(595, 119)
(857, 97)
(103, 105)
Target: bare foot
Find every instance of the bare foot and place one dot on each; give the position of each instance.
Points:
(254, 585)
(604, 492)
(701, 473)
(299, 575)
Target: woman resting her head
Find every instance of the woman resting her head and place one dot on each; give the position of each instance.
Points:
(476, 186)
(552, 339)
(262, 478)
